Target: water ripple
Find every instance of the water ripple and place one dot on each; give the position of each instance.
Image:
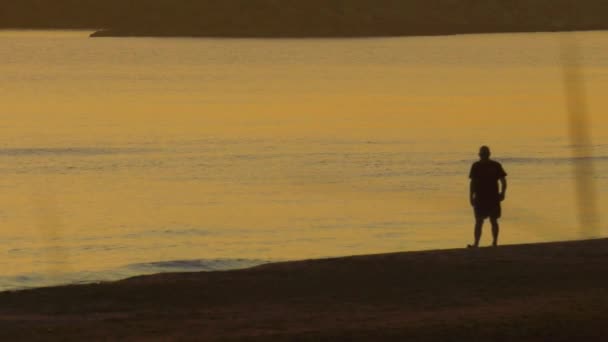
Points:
(68, 151)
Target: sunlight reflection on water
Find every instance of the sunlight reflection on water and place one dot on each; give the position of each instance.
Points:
(119, 152)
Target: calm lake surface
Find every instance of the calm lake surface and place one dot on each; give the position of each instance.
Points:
(128, 156)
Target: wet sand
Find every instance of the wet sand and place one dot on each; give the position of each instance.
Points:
(554, 292)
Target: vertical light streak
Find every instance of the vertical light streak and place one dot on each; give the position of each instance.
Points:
(580, 136)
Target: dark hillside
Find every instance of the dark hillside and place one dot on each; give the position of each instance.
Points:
(305, 18)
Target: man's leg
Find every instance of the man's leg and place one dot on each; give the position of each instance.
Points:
(478, 226)
(495, 230)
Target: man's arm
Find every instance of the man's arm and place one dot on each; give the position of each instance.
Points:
(472, 192)
(472, 185)
(503, 188)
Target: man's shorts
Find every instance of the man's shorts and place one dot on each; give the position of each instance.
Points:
(483, 211)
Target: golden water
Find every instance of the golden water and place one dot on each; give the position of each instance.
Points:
(115, 153)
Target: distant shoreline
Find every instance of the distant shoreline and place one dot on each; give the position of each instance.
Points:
(129, 34)
(306, 18)
(546, 291)
(105, 33)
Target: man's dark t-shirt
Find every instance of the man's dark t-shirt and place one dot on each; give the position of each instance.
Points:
(485, 176)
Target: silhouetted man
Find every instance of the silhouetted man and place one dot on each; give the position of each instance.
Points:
(484, 193)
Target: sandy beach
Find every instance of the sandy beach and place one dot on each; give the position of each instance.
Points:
(551, 291)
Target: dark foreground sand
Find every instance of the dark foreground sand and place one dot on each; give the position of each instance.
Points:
(553, 292)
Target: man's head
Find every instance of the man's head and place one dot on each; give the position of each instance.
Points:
(484, 152)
